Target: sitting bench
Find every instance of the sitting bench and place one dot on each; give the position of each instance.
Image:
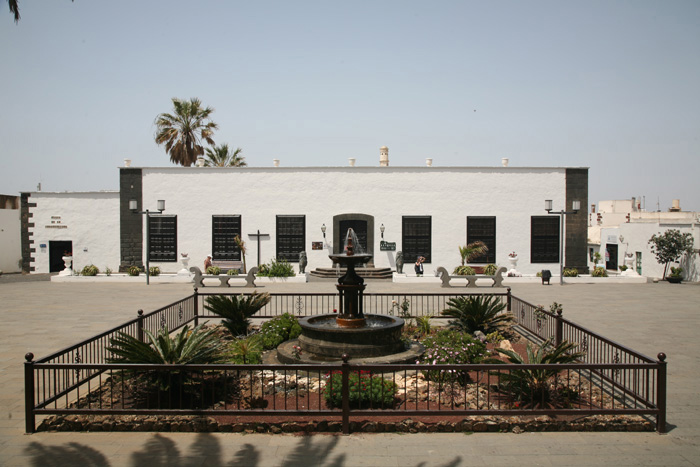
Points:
(226, 266)
(223, 278)
(471, 280)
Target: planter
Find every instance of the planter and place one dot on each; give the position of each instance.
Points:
(185, 271)
(674, 279)
(67, 261)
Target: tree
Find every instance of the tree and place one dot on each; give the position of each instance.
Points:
(472, 250)
(183, 131)
(671, 246)
(222, 156)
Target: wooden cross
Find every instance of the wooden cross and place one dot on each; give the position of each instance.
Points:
(258, 236)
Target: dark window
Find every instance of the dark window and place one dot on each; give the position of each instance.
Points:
(416, 238)
(544, 241)
(483, 229)
(162, 238)
(291, 236)
(223, 232)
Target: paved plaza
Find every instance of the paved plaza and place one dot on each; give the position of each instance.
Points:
(41, 317)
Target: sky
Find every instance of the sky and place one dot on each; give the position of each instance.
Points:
(610, 85)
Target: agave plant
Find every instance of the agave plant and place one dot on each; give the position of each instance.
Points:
(477, 313)
(534, 387)
(236, 310)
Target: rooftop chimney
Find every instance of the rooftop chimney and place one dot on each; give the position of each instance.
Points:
(676, 206)
(384, 156)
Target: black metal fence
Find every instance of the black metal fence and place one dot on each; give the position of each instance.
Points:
(77, 380)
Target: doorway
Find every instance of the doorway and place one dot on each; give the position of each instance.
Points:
(57, 250)
(611, 256)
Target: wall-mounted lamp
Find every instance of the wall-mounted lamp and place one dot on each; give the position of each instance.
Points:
(323, 229)
(134, 207)
(381, 229)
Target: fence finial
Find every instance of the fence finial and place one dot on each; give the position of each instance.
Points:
(30, 356)
(661, 357)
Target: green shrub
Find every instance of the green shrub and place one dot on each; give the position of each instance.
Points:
(154, 271)
(490, 269)
(236, 310)
(477, 313)
(365, 390)
(464, 271)
(623, 268)
(279, 329)
(423, 324)
(494, 337)
(676, 272)
(539, 274)
(599, 272)
(534, 387)
(214, 270)
(232, 272)
(108, 271)
(134, 271)
(570, 272)
(276, 269)
(90, 270)
(449, 347)
(246, 351)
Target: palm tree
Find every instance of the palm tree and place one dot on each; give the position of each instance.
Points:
(472, 250)
(183, 131)
(477, 313)
(221, 156)
(14, 9)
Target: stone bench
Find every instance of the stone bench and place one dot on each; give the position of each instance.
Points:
(471, 280)
(223, 278)
(226, 266)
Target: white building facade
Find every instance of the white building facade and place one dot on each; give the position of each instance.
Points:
(424, 211)
(622, 229)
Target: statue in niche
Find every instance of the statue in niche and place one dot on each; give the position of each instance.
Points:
(399, 262)
(302, 262)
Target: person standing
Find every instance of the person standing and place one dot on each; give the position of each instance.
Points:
(207, 263)
(419, 266)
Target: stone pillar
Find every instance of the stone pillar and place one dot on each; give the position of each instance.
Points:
(130, 224)
(575, 253)
(26, 238)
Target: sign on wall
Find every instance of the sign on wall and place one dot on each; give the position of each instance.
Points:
(387, 246)
(317, 245)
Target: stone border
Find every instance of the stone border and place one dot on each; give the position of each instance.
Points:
(496, 424)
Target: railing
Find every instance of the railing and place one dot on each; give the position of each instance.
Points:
(78, 379)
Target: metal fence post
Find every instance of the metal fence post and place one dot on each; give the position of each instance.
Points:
(29, 419)
(196, 306)
(509, 297)
(661, 394)
(559, 328)
(345, 392)
(139, 326)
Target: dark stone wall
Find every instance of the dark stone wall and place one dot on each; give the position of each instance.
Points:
(575, 254)
(9, 202)
(131, 224)
(26, 237)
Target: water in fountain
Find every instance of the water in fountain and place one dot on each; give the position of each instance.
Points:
(352, 245)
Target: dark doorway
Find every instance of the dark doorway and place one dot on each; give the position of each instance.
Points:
(58, 249)
(611, 256)
(360, 228)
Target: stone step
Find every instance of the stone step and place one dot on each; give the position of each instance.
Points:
(367, 273)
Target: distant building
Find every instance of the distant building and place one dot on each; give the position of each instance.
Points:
(10, 249)
(621, 228)
(423, 211)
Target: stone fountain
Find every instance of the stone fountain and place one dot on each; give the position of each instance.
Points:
(365, 338)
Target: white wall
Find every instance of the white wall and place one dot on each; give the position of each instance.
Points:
(449, 195)
(10, 240)
(91, 222)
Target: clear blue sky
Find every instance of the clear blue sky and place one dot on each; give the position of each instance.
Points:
(610, 85)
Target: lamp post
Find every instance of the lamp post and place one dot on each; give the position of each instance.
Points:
(575, 208)
(381, 229)
(323, 229)
(134, 207)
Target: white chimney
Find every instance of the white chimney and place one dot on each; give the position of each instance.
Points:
(384, 156)
(504, 161)
(200, 161)
(351, 161)
(675, 206)
(276, 162)
(428, 162)
(127, 162)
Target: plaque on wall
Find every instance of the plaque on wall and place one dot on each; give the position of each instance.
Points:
(317, 245)
(387, 246)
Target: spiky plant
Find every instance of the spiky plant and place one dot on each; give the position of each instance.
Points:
(534, 387)
(477, 313)
(246, 351)
(196, 346)
(236, 310)
(472, 250)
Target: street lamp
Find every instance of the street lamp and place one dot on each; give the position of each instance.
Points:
(381, 229)
(575, 208)
(134, 207)
(323, 229)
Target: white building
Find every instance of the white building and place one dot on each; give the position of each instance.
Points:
(428, 211)
(10, 251)
(621, 228)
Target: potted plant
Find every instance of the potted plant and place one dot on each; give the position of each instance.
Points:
(676, 275)
(671, 246)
